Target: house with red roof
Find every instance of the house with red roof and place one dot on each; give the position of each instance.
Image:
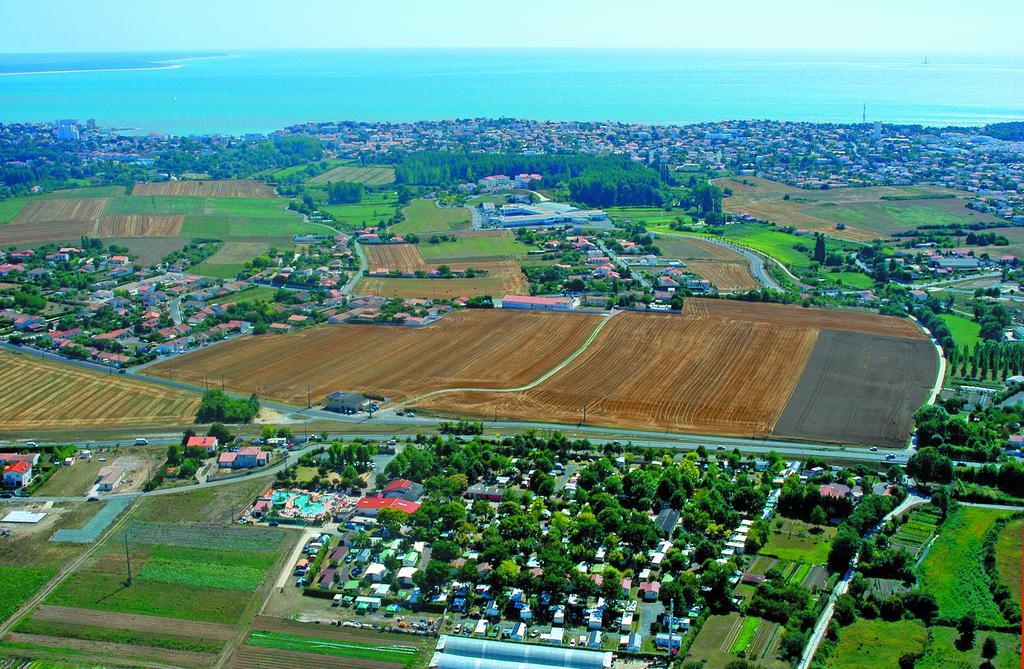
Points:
(208, 444)
(370, 506)
(18, 474)
(403, 489)
(244, 458)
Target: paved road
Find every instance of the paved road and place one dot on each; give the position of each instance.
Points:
(175, 308)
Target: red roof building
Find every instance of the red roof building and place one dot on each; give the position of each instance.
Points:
(369, 506)
(209, 444)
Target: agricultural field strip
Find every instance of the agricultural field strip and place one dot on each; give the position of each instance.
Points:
(41, 392)
(371, 176)
(605, 319)
(495, 346)
(197, 535)
(134, 622)
(389, 257)
(212, 188)
(118, 651)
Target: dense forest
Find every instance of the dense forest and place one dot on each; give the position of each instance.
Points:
(1010, 131)
(596, 181)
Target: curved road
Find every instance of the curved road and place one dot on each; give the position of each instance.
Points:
(757, 267)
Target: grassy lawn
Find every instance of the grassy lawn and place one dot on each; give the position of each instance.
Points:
(942, 653)
(423, 216)
(230, 259)
(473, 247)
(376, 208)
(952, 571)
(17, 584)
(649, 216)
(225, 218)
(770, 241)
(10, 207)
(872, 644)
(1008, 552)
(385, 652)
(797, 541)
(108, 592)
(71, 481)
(209, 505)
(965, 331)
(254, 294)
(746, 635)
(853, 280)
(87, 191)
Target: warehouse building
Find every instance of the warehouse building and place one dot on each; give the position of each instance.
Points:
(344, 402)
(454, 652)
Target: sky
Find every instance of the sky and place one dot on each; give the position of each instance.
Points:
(990, 27)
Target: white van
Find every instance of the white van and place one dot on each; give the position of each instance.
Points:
(141, 441)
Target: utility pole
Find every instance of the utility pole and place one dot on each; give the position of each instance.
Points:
(222, 383)
(309, 402)
(127, 559)
(584, 414)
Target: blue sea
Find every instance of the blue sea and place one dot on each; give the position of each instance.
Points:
(261, 91)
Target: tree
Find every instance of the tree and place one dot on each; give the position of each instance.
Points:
(844, 547)
(819, 248)
(967, 628)
(818, 516)
(989, 650)
(221, 433)
(928, 464)
(391, 520)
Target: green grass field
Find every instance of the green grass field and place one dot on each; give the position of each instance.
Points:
(10, 207)
(852, 280)
(952, 572)
(230, 259)
(107, 592)
(795, 542)
(374, 175)
(254, 294)
(1008, 556)
(17, 584)
(385, 652)
(769, 241)
(86, 191)
(376, 208)
(746, 635)
(475, 247)
(155, 204)
(648, 216)
(965, 331)
(873, 644)
(942, 653)
(423, 216)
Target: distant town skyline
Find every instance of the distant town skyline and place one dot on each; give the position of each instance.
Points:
(923, 27)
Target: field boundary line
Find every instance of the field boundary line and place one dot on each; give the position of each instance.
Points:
(605, 319)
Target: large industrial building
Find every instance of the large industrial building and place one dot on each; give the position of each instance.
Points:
(455, 652)
(543, 213)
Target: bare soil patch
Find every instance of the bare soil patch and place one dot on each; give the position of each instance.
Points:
(138, 623)
(860, 389)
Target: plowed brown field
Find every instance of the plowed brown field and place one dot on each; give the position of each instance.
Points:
(116, 651)
(69, 209)
(709, 375)
(139, 225)
(41, 221)
(723, 367)
(476, 348)
(727, 275)
(224, 188)
(503, 278)
(40, 394)
(401, 257)
(134, 622)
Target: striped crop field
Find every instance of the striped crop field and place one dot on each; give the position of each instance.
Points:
(41, 394)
